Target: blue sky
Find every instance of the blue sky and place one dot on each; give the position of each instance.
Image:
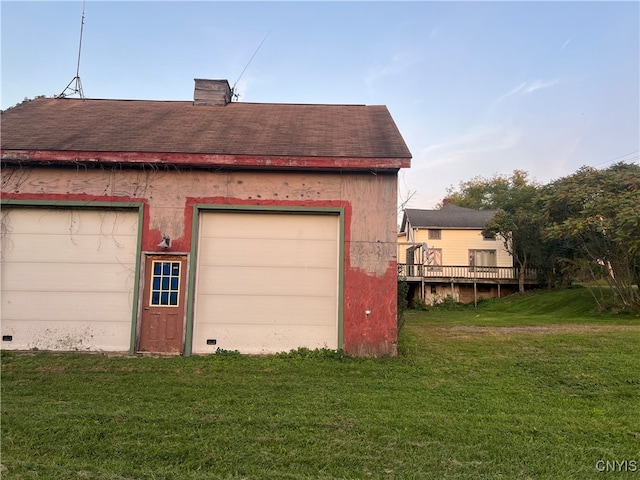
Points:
(476, 88)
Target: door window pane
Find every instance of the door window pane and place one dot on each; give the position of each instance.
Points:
(165, 283)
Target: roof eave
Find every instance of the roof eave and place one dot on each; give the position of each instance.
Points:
(57, 157)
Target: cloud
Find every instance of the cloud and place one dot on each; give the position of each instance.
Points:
(475, 143)
(395, 64)
(539, 84)
(529, 87)
(565, 44)
(483, 150)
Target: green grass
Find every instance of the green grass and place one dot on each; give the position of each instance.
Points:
(574, 305)
(506, 391)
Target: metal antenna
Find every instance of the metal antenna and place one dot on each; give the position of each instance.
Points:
(77, 84)
(233, 89)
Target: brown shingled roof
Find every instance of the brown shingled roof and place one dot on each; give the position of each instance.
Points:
(449, 216)
(353, 131)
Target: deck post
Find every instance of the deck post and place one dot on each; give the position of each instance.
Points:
(475, 286)
(475, 293)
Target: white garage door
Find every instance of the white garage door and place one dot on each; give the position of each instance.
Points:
(67, 278)
(266, 282)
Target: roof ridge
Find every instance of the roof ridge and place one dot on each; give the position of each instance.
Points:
(142, 100)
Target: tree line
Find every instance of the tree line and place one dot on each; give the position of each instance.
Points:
(583, 228)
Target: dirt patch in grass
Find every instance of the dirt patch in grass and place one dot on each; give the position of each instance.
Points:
(540, 330)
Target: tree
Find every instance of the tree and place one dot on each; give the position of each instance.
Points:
(488, 193)
(517, 222)
(597, 212)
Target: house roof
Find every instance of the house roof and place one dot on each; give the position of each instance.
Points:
(180, 127)
(449, 216)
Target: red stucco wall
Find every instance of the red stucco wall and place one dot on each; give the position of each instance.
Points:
(169, 196)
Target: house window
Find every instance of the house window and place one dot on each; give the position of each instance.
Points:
(435, 234)
(482, 258)
(165, 284)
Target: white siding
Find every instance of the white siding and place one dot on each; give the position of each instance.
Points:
(266, 282)
(68, 278)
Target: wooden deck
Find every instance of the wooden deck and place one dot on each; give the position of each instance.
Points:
(464, 274)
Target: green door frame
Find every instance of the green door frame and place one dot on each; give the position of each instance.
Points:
(100, 205)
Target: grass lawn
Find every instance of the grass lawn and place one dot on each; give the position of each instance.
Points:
(526, 387)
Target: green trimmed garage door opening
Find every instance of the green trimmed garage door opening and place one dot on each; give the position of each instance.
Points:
(266, 282)
(68, 278)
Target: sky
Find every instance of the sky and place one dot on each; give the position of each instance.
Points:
(476, 88)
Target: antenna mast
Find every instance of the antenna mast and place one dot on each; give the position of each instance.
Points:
(77, 84)
(233, 89)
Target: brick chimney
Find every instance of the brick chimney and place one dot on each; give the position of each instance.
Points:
(211, 92)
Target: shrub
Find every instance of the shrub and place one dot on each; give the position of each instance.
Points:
(403, 290)
(420, 304)
(305, 353)
(447, 303)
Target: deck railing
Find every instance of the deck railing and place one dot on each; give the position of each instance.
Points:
(464, 272)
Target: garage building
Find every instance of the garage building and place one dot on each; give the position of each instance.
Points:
(191, 226)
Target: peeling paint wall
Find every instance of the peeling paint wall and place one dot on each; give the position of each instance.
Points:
(168, 194)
